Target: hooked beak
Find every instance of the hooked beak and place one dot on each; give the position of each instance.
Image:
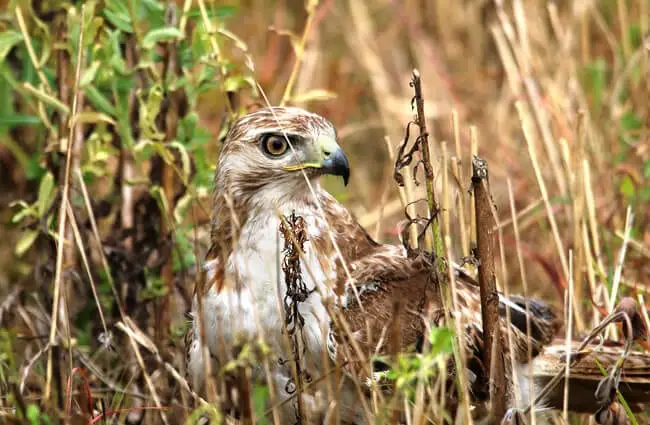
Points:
(329, 159)
(336, 164)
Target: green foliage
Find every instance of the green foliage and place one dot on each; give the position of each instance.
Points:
(409, 370)
(110, 77)
(35, 416)
(260, 397)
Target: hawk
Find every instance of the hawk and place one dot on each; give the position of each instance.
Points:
(269, 168)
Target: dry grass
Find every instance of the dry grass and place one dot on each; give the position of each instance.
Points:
(553, 95)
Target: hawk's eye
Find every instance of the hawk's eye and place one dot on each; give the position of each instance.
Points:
(275, 145)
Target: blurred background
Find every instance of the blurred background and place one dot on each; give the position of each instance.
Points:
(553, 94)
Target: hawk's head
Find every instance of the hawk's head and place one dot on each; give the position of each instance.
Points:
(266, 151)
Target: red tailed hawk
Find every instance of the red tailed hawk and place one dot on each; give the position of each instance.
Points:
(269, 168)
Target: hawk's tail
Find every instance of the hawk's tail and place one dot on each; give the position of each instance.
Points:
(593, 364)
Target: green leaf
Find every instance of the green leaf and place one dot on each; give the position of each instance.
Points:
(185, 160)
(630, 121)
(157, 193)
(50, 100)
(33, 414)
(149, 110)
(89, 74)
(627, 187)
(119, 19)
(8, 39)
(441, 341)
(45, 194)
(92, 117)
(34, 170)
(236, 82)
(25, 210)
(159, 35)
(25, 242)
(19, 119)
(180, 211)
(91, 29)
(100, 101)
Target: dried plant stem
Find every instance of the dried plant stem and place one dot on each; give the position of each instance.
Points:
(405, 195)
(629, 218)
(524, 284)
(437, 247)
(62, 230)
(525, 123)
(82, 251)
(624, 27)
(147, 378)
(446, 214)
(457, 169)
(473, 137)
(299, 50)
(30, 49)
(460, 358)
(569, 339)
(485, 244)
(172, 115)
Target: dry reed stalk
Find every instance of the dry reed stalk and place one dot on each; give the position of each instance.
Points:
(623, 24)
(363, 38)
(433, 208)
(473, 137)
(406, 195)
(522, 73)
(638, 246)
(459, 175)
(578, 208)
(460, 357)
(569, 338)
(590, 265)
(62, 227)
(505, 287)
(82, 251)
(489, 296)
(524, 284)
(30, 49)
(618, 271)
(299, 51)
(524, 116)
(147, 378)
(529, 209)
(446, 204)
(576, 215)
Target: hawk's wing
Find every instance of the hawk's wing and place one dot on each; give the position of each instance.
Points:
(386, 283)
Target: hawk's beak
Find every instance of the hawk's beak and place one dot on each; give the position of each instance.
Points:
(330, 160)
(336, 164)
